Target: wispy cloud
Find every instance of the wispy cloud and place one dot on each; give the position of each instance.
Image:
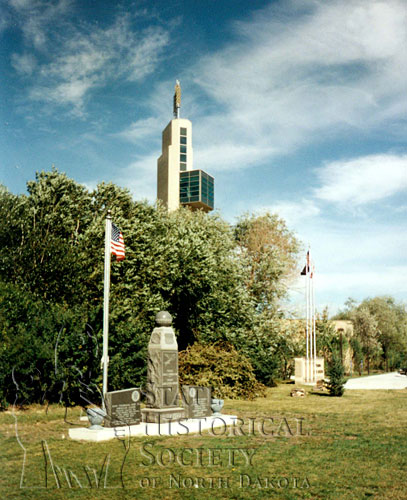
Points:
(362, 180)
(384, 281)
(295, 74)
(294, 212)
(298, 74)
(86, 56)
(24, 64)
(36, 16)
(140, 177)
(355, 260)
(139, 130)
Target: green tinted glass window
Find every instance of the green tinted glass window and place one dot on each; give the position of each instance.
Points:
(183, 140)
(183, 131)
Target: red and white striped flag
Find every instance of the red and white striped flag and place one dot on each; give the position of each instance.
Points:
(117, 243)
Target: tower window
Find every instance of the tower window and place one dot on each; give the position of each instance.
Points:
(183, 149)
(183, 131)
(183, 140)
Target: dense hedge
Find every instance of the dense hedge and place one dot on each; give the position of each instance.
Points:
(221, 367)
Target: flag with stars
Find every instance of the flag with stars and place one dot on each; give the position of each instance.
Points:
(117, 243)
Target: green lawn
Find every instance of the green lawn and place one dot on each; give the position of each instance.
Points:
(319, 447)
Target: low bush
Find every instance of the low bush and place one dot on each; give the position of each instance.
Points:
(219, 366)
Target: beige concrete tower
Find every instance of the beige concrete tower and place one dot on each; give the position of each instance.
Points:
(176, 156)
(177, 181)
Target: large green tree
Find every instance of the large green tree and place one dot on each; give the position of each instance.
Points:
(51, 261)
(365, 326)
(391, 319)
(386, 320)
(270, 251)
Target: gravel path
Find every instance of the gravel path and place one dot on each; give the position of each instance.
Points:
(387, 381)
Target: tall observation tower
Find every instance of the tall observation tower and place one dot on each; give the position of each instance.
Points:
(177, 181)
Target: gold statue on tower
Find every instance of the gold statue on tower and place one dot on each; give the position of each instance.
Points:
(177, 99)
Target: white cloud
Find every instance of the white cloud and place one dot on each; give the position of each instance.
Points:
(228, 154)
(294, 212)
(295, 74)
(140, 177)
(388, 280)
(298, 74)
(139, 130)
(358, 261)
(36, 16)
(24, 64)
(88, 57)
(71, 92)
(145, 55)
(333, 288)
(362, 180)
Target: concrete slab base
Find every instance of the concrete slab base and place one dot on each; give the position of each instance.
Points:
(145, 429)
(156, 415)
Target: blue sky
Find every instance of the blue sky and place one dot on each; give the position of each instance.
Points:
(298, 107)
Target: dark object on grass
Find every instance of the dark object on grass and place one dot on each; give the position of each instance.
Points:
(336, 374)
(403, 371)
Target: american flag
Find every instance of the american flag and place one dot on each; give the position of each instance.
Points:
(117, 243)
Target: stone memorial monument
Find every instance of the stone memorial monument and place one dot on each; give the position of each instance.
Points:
(123, 407)
(162, 374)
(197, 401)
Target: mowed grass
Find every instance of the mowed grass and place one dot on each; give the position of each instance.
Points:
(316, 447)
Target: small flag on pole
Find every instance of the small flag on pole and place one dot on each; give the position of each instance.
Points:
(117, 243)
(306, 269)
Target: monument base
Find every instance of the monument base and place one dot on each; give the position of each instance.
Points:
(162, 415)
(305, 372)
(182, 428)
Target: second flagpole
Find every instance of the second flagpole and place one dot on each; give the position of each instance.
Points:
(106, 293)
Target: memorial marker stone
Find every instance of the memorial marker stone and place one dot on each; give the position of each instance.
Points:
(197, 401)
(123, 407)
(162, 373)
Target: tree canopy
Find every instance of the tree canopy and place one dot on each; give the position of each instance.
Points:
(216, 280)
(380, 325)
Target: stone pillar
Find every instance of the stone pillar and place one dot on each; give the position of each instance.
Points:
(162, 374)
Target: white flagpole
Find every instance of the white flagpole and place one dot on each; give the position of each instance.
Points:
(307, 322)
(310, 313)
(313, 324)
(310, 325)
(105, 357)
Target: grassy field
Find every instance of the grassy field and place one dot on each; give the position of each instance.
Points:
(318, 447)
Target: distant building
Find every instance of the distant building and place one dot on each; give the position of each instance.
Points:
(177, 182)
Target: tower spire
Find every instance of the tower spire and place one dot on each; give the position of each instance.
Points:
(177, 99)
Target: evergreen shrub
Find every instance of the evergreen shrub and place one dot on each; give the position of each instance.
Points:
(336, 374)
